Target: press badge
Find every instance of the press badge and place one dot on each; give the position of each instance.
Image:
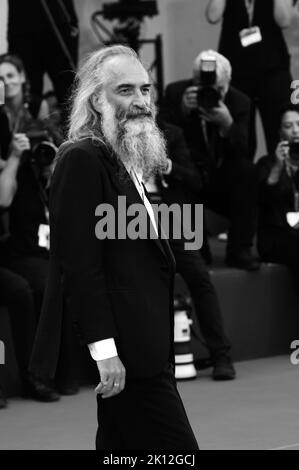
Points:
(44, 236)
(250, 36)
(293, 219)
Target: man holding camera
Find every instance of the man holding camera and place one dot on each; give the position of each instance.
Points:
(278, 232)
(173, 186)
(214, 117)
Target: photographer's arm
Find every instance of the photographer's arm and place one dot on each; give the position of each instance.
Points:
(8, 176)
(269, 172)
(171, 109)
(215, 10)
(283, 11)
(237, 135)
(281, 154)
(231, 128)
(44, 111)
(182, 167)
(8, 181)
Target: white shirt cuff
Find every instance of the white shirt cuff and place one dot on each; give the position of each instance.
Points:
(103, 349)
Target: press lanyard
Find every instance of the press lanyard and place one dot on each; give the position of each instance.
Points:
(250, 6)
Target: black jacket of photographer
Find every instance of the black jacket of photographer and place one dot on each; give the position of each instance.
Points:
(184, 179)
(209, 155)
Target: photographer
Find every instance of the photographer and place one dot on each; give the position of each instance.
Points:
(214, 117)
(29, 153)
(173, 187)
(278, 232)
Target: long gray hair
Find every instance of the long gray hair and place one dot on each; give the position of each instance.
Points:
(84, 119)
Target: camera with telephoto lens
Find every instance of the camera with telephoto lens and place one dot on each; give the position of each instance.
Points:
(42, 150)
(208, 96)
(294, 152)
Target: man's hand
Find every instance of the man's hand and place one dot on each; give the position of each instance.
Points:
(113, 377)
(189, 100)
(220, 116)
(20, 143)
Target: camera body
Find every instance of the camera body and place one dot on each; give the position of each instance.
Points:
(208, 96)
(43, 151)
(294, 152)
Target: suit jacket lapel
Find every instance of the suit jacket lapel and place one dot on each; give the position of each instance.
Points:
(129, 190)
(134, 192)
(162, 240)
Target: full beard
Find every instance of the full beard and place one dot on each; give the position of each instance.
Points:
(135, 138)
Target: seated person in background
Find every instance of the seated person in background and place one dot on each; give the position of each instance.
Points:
(16, 296)
(29, 154)
(174, 187)
(214, 117)
(278, 228)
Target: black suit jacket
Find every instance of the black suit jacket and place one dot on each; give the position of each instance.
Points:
(235, 145)
(118, 288)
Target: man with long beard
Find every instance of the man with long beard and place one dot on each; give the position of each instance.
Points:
(119, 292)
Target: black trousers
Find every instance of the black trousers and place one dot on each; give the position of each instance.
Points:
(35, 270)
(232, 192)
(147, 415)
(16, 296)
(43, 54)
(192, 268)
(279, 245)
(269, 93)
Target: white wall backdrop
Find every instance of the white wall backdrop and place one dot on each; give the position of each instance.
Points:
(184, 30)
(3, 20)
(183, 27)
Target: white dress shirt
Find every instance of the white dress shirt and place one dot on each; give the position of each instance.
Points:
(106, 348)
